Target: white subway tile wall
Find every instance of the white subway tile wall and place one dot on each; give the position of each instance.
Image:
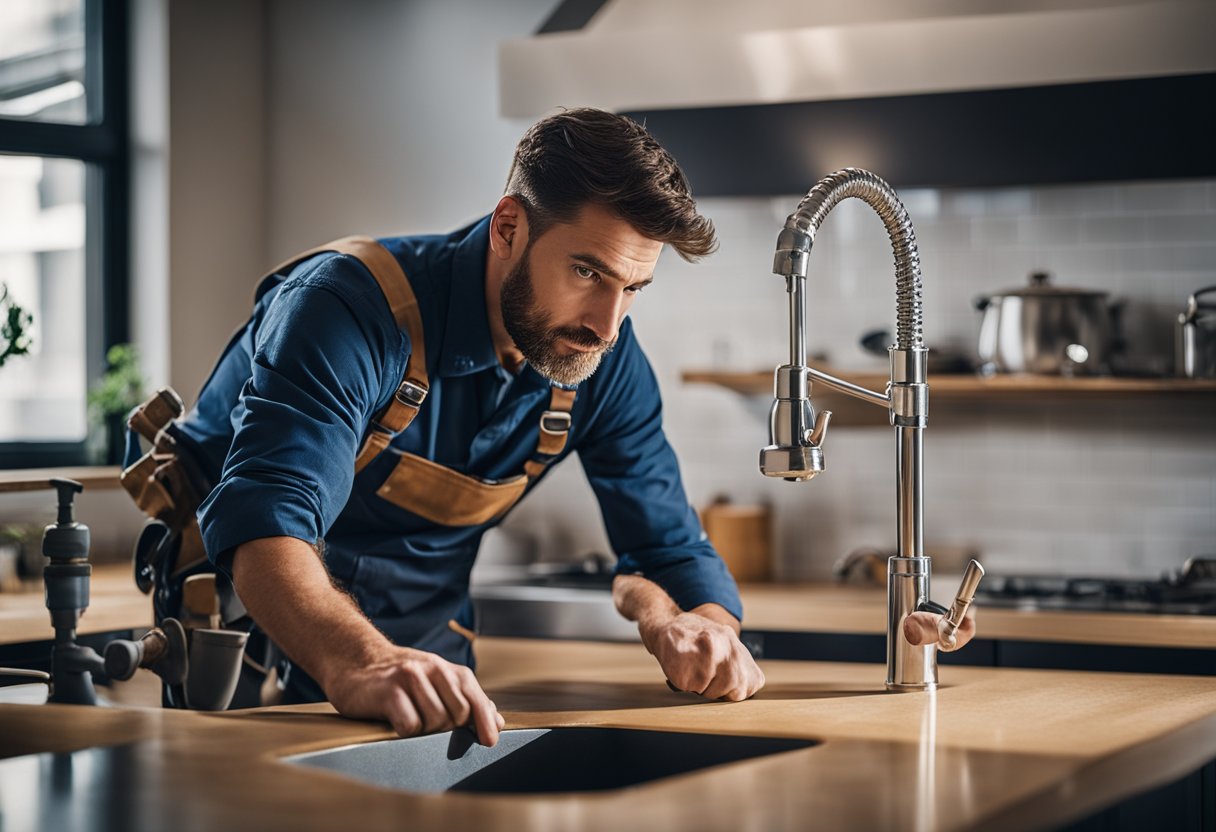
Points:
(1123, 487)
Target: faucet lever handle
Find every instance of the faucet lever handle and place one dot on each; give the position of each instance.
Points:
(953, 618)
(819, 432)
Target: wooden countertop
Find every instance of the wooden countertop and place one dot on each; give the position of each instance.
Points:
(813, 607)
(992, 749)
(836, 608)
(92, 477)
(971, 385)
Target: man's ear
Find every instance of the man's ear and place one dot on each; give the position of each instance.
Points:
(508, 229)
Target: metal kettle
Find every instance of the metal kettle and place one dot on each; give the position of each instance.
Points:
(1046, 329)
(1196, 343)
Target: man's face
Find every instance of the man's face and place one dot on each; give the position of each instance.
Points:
(563, 303)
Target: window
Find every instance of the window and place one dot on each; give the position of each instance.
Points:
(63, 217)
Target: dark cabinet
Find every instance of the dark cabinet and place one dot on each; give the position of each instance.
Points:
(1143, 128)
(982, 652)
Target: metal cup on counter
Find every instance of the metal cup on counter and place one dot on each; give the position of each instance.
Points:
(215, 668)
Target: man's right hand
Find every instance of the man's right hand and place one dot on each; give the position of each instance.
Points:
(285, 587)
(417, 693)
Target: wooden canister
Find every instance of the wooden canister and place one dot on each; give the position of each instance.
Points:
(743, 536)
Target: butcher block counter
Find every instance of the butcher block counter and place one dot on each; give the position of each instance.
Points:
(116, 605)
(992, 749)
(836, 608)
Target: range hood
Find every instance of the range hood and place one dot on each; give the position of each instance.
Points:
(664, 54)
(767, 96)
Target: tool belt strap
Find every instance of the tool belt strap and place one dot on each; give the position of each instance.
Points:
(411, 392)
(166, 484)
(554, 431)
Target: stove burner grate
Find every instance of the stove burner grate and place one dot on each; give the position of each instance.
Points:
(1191, 591)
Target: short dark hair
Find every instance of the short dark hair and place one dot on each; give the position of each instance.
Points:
(583, 156)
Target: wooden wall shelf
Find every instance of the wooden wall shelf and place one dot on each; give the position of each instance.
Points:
(35, 479)
(974, 387)
(950, 390)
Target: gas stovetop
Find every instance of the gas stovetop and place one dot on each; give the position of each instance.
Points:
(1190, 591)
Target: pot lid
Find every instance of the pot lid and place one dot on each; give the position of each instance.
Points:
(1041, 287)
(1200, 306)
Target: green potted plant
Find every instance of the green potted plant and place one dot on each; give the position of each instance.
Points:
(20, 555)
(120, 390)
(10, 560)
(15, 325)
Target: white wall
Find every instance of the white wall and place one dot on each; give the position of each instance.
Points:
(217, 151)
(199, 177)
(383, 115)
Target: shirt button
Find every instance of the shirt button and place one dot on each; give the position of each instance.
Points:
(464, 362)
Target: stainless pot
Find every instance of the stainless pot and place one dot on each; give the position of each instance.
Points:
(1046, 329)
(1196, 352)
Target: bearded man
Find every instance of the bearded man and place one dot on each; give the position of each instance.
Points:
(389, 401)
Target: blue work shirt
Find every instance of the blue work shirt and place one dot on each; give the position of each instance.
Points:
(285, 411)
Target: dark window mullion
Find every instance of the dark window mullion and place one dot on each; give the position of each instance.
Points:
(97, 100)
(89, 142)
(114, 218)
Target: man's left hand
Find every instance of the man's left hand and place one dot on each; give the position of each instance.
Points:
(702, 656)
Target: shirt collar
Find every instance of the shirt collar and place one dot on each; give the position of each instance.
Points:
(467, 345)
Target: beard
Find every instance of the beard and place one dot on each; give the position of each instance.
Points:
(537, 338)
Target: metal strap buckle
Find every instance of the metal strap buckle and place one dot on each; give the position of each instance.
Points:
(555, 421)
(411, 394)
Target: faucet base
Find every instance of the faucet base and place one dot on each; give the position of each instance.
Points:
(910, 687)
(909, 666)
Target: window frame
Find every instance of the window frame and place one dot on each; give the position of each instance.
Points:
(103, 144)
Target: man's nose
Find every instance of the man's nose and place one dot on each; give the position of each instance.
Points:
(605, 316)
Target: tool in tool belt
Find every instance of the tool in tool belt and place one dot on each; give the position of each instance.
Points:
(168, 485)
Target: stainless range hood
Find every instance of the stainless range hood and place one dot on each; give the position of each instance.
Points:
(767, 96)
(665, 54)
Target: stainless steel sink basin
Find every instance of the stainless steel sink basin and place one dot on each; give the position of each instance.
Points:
(539, 760)
(551, 609)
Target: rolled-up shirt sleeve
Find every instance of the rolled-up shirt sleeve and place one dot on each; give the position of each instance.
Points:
(318, 370)
(635, 476)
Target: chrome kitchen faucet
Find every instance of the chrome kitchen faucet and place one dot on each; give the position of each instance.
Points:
(796, 434)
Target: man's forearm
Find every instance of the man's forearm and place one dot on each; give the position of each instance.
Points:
(285, 587)
(642, 600)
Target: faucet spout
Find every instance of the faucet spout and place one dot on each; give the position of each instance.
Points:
(801, 227)
(796, 435)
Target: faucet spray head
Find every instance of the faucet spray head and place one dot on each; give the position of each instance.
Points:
(796, 434)
(793, 252)
(795, 464)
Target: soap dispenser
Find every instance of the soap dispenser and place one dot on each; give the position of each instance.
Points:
(66, 544)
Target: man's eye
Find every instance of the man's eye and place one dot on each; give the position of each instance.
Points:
(635, 290)
(585, 273)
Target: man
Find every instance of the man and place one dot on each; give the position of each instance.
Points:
(521, 353)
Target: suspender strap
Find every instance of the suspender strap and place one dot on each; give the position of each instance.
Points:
(554, 430)
(403, 407)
